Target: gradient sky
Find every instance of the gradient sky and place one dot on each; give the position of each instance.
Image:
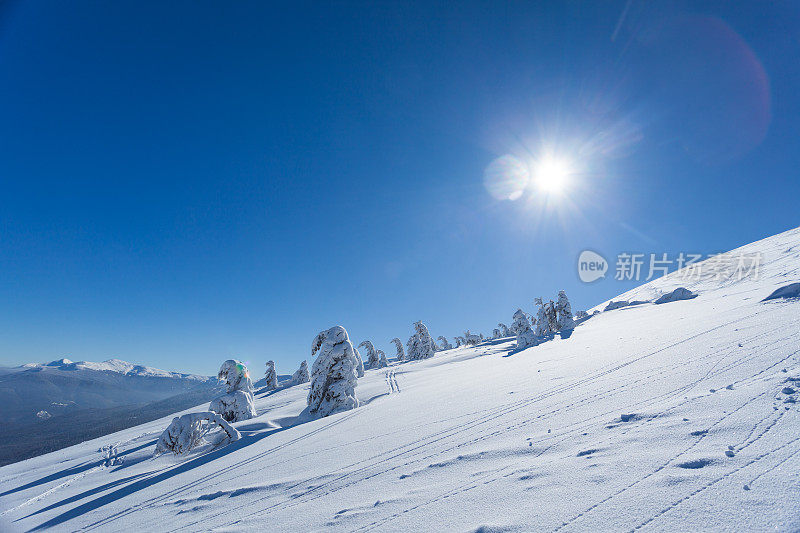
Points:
(181, 183)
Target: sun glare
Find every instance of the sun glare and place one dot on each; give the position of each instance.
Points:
(552, 174)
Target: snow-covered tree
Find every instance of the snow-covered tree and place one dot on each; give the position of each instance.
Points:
(237, 404)
(581, 314)
(445, 345)
(472, 339)
(504, 331)
(399, 345)
(271, 377)
(564, 312)
(301, 375)
(525, 335)
(189, 431)
(382, 362)
(496, 333)
(420, 345)
(360, 363)
(372, 355)
(546, 320)
(333, 375)
(460, 342)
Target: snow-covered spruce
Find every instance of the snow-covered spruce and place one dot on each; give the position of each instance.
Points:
(301, 374)
(459, 342)
(333, 375)
(581, 314)
(359, 363)
(237, 404)
(399, 345)
(189, 431)
(544, 325)
(271, 377)
(372, 355)
(382, 361)
(420, 345)
(564, 312)
(525, 335)
(445, 345)
(504, 331)
(496, 334)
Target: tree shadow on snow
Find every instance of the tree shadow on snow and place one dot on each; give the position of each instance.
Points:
(187, 466)
(140, 484)
(73, 470)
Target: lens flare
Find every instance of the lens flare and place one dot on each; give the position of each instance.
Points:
(506, 177)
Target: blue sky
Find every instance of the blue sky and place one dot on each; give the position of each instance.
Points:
(182, 183)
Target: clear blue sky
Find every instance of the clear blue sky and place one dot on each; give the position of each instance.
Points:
(181, 183)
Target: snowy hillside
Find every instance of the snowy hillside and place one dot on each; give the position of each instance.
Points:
(678, 416)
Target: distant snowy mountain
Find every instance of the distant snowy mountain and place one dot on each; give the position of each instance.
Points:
(678, 416)
(113, 365)
(37, 397)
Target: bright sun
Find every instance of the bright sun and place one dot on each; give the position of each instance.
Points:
(552, 174)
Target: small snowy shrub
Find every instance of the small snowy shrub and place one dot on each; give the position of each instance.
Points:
(372, 355)
(420, 345)
(581, 314)
(445, 345)
(301, 375)
(237, 404)
(399, 345)
(382, 362)
(333, 375)
(271, 377)
(189, 431)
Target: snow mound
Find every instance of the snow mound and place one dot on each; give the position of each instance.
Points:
(788, 291)
(681, 293)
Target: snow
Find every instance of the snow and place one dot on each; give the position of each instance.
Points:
(654, 417)
(681, 293)
(114, 365)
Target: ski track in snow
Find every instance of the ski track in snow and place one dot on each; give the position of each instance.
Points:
(632, 423)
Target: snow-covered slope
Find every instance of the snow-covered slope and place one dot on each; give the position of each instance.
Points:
(678, 416)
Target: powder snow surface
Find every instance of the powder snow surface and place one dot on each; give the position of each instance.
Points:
(653, 417)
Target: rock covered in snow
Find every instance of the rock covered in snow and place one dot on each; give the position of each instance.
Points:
(420, 345)
(189, 431)
(333, 375)
(681, 293)
(301, 375)
(786, 292)
(271, 377)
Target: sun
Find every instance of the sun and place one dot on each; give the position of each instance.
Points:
(551, 174)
